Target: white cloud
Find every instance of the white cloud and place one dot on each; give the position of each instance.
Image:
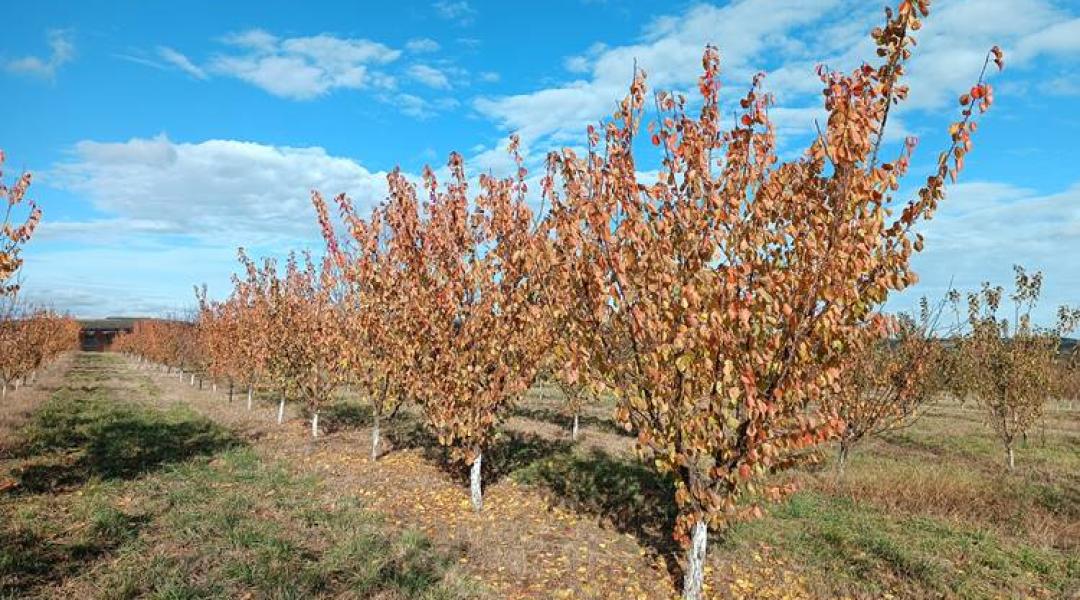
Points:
(414, 106)
(138, 279)
(421, 45)
(181, 62)
(670, 52)
(172, 214)
(421, 108)
(243, 192)
(459, 11)
(303, 68)
(62, 50)
(786, 39)
(576, 64)
(488, 76)
(985, 227)
(429, 76)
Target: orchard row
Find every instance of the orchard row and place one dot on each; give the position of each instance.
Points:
(731, 303)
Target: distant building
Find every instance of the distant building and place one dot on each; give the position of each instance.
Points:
(97, 335)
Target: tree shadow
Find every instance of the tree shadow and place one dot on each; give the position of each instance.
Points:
(406, 431)
(510, 452)
(561, 419)
(71, 442)
(628, 496)
(514, 451)
(343, 416)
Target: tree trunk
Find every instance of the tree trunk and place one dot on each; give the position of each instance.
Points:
(230, 391)
(249, 396)
(694, 578)
(4, 394)
(841, 459)
(375, 438)
(213, 387)
(281, 410)
(574, 430)
(192, 382)
(315, 425)
(1011, 456)
(541, 391)
(475, 491)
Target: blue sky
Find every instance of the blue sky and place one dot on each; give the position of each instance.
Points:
(163, 136)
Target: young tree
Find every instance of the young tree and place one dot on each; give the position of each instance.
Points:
(479, 274)
(29, 339)
(13, 234)
(886, 385)
(1008, 366)
(579, 387)
(253, 341)
(304, 341)
(1069, 375)
(739, 282)
(381, 340)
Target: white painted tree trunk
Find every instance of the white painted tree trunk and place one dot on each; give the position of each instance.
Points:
(213, 387)
(1012, 458)
(574, 430)
(694, 578)
(249, 397)
(315, 425)
(281, 411)
(475, 491)
(4, 394)
(841, 460)
(375, 439)
(192, 382)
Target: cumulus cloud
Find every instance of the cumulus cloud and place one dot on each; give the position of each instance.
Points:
(786, 39)
(217, 189)
(62, 51)
(302, 68)
(670, 51)
(985, 227)
(168, 215)
(429, 76)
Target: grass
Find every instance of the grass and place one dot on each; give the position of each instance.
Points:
(853, 548)
(118, 500)
(926, 512)
(109, 495)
